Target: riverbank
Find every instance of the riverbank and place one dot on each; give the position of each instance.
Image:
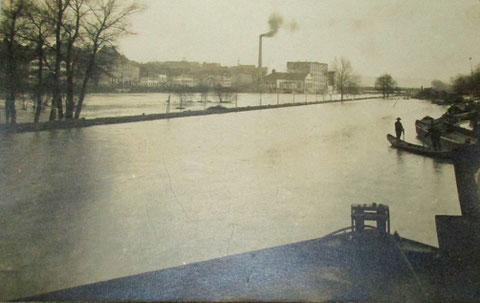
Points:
(67, 124)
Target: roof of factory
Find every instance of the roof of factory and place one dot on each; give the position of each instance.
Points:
(274, 76)
(304, 63)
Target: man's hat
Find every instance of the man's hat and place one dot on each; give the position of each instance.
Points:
(398, 119)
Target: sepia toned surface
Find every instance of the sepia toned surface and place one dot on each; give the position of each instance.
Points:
(151, 195)
(416, 42)
(86, 205)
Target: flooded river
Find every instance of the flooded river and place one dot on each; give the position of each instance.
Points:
(117, 105)
(85, 205)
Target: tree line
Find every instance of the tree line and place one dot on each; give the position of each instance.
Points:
(347, 82)
(51, 48)
(453, 92)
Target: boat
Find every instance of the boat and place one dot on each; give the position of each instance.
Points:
(452, 136)
(361, 262)
(417, 149)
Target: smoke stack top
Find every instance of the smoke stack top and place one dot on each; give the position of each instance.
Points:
(275, 22)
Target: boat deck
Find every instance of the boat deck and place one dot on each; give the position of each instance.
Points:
(339, 267)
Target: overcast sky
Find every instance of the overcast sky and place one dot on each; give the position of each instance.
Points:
(409, 39)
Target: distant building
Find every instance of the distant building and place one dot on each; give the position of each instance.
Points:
(224, 80)
(183, 80)
(289, 82)
(162, 78)
(331, 78)
(120, 72)
(211, 67)
(331, 81)
(153, 81)
(246, 75)
(319, 72)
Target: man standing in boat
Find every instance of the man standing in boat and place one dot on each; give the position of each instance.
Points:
(399, 128)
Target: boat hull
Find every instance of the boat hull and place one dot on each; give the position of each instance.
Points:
(417, 149)
(451, 138)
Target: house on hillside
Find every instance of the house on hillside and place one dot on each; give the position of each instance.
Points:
(289, 82)
(118, 71)
(183, 80)
(154, 81)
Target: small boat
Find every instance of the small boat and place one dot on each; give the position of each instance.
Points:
(452, 136)
(417, 149)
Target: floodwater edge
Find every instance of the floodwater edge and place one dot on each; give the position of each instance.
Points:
(80, 123)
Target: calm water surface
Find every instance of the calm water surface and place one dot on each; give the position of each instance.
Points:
(85, 205)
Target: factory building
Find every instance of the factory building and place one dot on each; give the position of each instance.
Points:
(319, 72)
(245, 76)
(289, 82)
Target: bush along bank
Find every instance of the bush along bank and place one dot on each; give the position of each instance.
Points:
(439, 97)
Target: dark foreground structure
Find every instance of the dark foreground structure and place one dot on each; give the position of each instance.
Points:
(358, 263)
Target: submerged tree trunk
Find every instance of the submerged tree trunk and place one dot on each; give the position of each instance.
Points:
(70, 107)
(10, 110)
(57, 98)
(86, 78)
(10, 85)
(70, 104)
(39, 89)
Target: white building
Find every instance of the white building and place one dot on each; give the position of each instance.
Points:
(319, 72)
(155, 81)
(290, 82)
(183, 80)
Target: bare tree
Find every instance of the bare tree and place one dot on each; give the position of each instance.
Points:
(39, 33)
(72, 29)
(224, 94)
(204, 92)
(12, 23)
(57, 10)
(345, 78)
(108, 20)
(386, 85)
(183, 93)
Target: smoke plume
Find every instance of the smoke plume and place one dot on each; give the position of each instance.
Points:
(293, 26)
(276, 23)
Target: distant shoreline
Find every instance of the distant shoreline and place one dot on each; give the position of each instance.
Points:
(81, 123)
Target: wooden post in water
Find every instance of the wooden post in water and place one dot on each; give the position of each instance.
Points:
(278, 96)
(236, 100)
(167, 109)
(261, 99)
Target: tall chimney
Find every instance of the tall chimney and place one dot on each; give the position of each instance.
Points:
(260, 52)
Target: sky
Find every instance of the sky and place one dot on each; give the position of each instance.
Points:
(414, 41)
